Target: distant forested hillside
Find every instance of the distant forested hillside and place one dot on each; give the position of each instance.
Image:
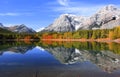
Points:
(4, 31)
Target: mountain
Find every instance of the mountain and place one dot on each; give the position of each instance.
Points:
(3, 30)
(17, 28)
(108, 14)
(66, 22)
(1, 25)
(106, 18)
(20, 29)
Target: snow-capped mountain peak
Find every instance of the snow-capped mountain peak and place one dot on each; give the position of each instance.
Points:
(21, 29)
(110, 7)
(66, 22)
(106, 18)
(40, 29)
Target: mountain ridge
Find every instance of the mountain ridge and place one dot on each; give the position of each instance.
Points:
(18, 28)
(99, 20)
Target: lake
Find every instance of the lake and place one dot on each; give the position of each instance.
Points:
(59, 59)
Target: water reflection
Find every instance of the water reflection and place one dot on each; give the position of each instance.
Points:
(106, 60)
(59, 59)
(104, 55)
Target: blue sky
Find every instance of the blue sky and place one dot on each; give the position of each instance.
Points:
(41, 13)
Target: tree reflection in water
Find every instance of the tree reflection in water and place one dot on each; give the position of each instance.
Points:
(59, 59)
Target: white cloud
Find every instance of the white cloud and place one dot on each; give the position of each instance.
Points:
(86, 11)
(63, 2)
(8, 25)
(76, 7)
(15, 14)
(9, 14)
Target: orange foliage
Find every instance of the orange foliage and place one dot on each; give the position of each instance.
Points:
(47, 37)
(27, 39)
(111, 36)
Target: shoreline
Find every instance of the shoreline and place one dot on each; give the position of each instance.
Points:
(84, 40)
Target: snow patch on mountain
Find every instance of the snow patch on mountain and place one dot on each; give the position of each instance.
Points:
(40, 29)
(21, 29)
(103, 19)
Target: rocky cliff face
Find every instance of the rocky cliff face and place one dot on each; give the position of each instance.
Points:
(66, 22)
(111, 24)
(108, 14)
(106, 18)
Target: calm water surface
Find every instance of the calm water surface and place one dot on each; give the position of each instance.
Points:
(60, 60)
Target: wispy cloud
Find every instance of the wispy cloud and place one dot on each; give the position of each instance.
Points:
(86, 11)
(76, 7)
(9, 14)
(8, 25)
(63, 2)
(14, 14)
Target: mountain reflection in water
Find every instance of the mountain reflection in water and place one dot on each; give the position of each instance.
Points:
(68, 59)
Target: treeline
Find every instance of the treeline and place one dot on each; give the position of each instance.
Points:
(81, 34)
(84, 34)
(8, 35)
(4, 31)
(18, 36)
